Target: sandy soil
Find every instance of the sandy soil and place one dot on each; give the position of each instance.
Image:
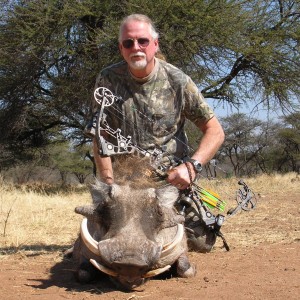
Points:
(263, 263)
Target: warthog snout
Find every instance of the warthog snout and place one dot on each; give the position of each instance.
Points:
(121, 254)
(131, 268)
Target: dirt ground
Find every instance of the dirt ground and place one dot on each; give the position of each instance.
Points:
(263, 263)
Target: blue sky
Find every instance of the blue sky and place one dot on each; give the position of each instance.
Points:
(259, 112)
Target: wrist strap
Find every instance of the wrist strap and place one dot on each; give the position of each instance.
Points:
(190, 172)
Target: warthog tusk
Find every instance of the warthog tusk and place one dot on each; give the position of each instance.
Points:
(91, 244)
(103, 269)
(177, 239)
(156, 271)
(114, 274)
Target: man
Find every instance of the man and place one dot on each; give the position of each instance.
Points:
(156, 100)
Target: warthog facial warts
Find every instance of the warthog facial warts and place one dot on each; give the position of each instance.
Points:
(131, 235)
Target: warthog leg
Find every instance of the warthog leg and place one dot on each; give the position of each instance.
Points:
(184, 268)
(86, 272)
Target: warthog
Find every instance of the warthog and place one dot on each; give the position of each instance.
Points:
(131, 235)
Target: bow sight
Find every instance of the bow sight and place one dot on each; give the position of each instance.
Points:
(111, 142)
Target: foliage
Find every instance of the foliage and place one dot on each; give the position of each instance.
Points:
(52, 50)
(254, 146)
(289, 144)
(68, 160)
(240, 146)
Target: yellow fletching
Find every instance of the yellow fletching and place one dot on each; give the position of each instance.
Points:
(209, 201)
(214, 193)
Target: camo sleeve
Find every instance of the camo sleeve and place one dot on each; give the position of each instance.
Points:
(196, 108)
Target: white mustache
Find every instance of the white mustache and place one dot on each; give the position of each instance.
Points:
(137, 54)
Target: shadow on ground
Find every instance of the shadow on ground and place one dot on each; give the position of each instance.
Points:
(62, 275)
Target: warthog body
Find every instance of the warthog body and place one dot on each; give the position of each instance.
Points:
(131, 234)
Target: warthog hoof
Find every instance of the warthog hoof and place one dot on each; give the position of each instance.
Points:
(184, 268)
(86, 273)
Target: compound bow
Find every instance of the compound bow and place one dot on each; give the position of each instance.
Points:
(204, 200)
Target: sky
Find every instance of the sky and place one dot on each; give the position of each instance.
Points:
(259, 112)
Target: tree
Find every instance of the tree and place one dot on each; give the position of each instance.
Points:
(265, 159)
(51, 52)
(254, 146)
(289, 140)
(243, 142)
(70, 161)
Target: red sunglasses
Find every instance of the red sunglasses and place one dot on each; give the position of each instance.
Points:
(129, 43)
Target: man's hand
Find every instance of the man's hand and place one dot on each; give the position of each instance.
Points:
(180, 176)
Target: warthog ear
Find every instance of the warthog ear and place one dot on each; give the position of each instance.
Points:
(100, 191)
(167, 195)
(86, 210)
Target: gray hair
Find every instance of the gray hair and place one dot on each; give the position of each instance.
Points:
(140, 18)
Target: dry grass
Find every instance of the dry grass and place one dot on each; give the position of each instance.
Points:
(31, 218)
(276, 218)
(262, 184)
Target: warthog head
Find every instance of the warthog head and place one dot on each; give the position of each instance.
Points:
(132, 234)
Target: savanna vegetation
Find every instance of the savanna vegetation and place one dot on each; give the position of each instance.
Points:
(240, 53)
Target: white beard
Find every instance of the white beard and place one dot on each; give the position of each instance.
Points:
(138, 64)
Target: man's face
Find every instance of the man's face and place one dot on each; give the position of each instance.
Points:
(138, 47)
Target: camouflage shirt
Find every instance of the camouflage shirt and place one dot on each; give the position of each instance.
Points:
(152, 111)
